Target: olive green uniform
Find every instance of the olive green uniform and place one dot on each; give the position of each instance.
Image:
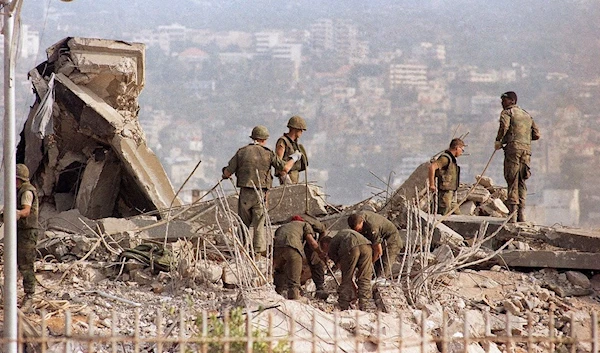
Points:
(252, 166)
(379, 230)
(288, 253)
(448, 179)
(317, 268)
(27, 233)
(516, 131)
(291, 146)
(351, 251)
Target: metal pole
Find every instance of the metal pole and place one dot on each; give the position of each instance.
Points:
(10, 188)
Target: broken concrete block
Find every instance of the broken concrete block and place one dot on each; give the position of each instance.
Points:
(551, 259)
(289, 200)
(467, 208)
(494, 208)
(212, 273)
(485, 181)
(578, 279)
(442, 233)
(99, 186)
(479, 194)
(443, 253)
(70, 221)
(173, 230)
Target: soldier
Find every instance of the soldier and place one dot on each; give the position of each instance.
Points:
(351, 252)
(286, 145)
(251, 165)
(384, 236)
(315, 262)
(27, 231)
(447, 176)
(288, 253)
(515, 133)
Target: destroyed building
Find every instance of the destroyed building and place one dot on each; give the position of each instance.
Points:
(89, 159)
(82, 140)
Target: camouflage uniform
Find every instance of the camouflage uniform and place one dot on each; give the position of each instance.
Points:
(290, 146)
(288, 253)
(351, 251)
(379, 230)
(27, 233)
(317, 268)
(448, 179)
(252, 166)
(516, 131)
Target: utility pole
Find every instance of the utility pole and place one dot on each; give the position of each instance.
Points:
(10, 10)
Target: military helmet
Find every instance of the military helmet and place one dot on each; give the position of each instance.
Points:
(22, 172)
(296, 122)
(260, 133)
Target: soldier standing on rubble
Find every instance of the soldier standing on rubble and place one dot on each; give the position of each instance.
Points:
(444, 176)
(384, 236)
(352, 253)
(251, 165)
(27, 232)
(288, 144)
(288, 253)
(515, 133)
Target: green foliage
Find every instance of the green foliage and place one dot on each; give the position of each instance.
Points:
(237, 335)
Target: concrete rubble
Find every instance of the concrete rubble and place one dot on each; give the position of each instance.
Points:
(103, 191)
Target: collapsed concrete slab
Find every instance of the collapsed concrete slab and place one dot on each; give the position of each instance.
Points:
(288, 200)
(550, 259)
(88, 150)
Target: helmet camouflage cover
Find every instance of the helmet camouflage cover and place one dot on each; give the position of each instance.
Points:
(297, 122)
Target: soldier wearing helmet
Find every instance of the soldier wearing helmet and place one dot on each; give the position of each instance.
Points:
(27, 231)
(287, 145)
(251, 165)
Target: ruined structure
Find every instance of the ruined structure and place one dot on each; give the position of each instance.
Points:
(82, 140)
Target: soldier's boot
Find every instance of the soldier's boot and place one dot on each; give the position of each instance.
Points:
(280, 290)
(343, 304)
(521, 213)
(321, 293)
(366, 305)
(294, 293)
(512, 215)
(27, 303)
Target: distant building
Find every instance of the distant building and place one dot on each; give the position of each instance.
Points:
(408, 75)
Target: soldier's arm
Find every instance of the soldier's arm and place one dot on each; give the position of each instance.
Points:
(279, 164)
(280, 148)
(535, 131)
(26, 201)
(230, 168)
(504, 125)
(431, 175)
(377, 251)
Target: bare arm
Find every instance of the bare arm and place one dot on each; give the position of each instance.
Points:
(377, 251)
(432, 168)
(25, 212)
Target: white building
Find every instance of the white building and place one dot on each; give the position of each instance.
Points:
(412, 75)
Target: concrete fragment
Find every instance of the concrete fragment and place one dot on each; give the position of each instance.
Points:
(172, 230)
(578, 279)
(468, 208)
(70, 221)
(99, 185)
(212, 273)
(442, 233)
(551, 259)
(288, 200)
(485, 181)
(479, 194)
(443, 253)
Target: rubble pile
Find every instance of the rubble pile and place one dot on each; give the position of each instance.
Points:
(116, 239)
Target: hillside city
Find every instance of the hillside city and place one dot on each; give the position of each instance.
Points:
(374, 112)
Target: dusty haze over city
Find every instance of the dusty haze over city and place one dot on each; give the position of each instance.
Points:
(207, 88)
